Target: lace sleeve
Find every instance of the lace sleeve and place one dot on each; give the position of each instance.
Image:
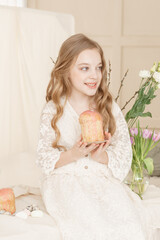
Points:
(120, 150)
(47, 155)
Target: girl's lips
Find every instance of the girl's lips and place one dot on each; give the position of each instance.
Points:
(91, 85)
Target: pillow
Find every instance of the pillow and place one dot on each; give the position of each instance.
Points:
(7, 200)
(19, 169)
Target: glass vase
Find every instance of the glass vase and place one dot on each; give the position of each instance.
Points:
(138, 180)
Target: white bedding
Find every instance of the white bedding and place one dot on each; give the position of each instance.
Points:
(14, 228)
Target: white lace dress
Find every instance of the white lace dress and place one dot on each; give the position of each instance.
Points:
(87, 199)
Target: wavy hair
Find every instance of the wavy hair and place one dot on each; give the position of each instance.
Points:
(60, 84)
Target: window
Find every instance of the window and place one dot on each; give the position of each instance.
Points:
(14, 3)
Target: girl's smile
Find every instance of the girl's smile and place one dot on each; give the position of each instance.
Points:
(91, 85)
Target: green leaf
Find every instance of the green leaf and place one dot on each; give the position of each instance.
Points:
(148, 145)
(149, 165)
(138, 107)
(147, 114)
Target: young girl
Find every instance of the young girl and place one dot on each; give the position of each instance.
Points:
(82, 186)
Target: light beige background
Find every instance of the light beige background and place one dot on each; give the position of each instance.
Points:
(25, 68)
(129, 34)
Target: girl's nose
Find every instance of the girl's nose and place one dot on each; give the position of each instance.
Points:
(93, 74)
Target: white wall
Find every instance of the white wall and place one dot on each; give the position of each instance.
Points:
(127, 30)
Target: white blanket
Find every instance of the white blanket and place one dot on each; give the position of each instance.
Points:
(14, 228)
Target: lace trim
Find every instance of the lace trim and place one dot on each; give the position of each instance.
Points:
(47, 155)
(120, 151)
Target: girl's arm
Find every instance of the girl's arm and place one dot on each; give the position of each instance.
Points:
(79, 150)
(104, 158)
(65, 158)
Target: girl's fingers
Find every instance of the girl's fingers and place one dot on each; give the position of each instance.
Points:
(107, 135)
(83, 145)
(79, 144)
(101, 145)
(100, 148)
(80, 140)
(92, 146)
(87, 149)
(105, 145)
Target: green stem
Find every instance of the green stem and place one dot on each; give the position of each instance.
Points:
(132, 185)
(131, 123)
(154, 145)
(139, 182)
(141, 83)
(147, 89)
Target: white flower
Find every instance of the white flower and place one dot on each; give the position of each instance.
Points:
(144, 74)
(156, 76)
(159, 85)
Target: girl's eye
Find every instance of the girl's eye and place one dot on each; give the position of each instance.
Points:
(100, 67)
(84, 68)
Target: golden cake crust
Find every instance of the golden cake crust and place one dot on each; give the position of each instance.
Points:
(91, 126)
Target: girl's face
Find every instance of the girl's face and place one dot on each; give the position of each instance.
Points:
(86, 73)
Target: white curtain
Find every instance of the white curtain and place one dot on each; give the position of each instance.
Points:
(28, 39)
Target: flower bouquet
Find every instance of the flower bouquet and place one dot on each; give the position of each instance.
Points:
(145, 140)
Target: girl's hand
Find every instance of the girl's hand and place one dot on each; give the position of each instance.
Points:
(80, 149)
(98, 154)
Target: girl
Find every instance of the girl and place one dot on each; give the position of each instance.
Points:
(82, 186)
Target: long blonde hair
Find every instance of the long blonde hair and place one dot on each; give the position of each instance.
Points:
(60, 84)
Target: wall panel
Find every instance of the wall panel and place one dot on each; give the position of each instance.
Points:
(128, 32)
(141, 17)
